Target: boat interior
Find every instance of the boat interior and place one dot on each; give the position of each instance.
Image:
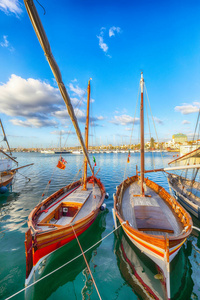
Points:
(149, 214)
(70, 207)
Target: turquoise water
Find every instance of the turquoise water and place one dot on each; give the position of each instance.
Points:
(112, 271)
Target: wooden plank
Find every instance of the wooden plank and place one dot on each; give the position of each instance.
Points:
(151, 218)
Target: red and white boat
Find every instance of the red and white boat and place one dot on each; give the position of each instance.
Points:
(151, 218)
(68, 212)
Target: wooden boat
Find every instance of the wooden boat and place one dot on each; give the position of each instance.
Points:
(54, 222)
(68, 212)
(152, 219)
(6, 174)
(187, 188)
(187, 192)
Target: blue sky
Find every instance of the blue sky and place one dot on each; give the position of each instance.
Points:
(111, 42)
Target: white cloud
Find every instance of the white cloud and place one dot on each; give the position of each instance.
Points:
(77, 90)
(124, 120)
(11, 7)
(5, 43)
(33, 100)
(102, 45)
(114, 29)
(35, 103)
(185, 122)
(63, 132)
(128, 129)
(100, 118)
(34, 122)
(28, 97)
(186, 108)
(158, 120)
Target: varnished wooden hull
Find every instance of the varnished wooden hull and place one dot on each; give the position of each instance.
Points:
(184, 198)
(39, 244)
(159, 248)
(7, 178)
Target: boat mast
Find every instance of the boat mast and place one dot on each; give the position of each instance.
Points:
(41, 35)
(86, 136)
(142, 136)
(5, 138)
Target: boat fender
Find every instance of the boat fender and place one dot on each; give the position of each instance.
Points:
(103, 207)
(107, 196)
(3, 189)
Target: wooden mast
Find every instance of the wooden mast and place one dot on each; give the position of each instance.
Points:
(142, 136)
(41, 35)
(86, 136)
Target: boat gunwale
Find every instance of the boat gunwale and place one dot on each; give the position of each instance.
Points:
(146, 236)
(8, 181)
(36, 211)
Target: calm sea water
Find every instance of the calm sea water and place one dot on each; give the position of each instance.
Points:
(114, 264)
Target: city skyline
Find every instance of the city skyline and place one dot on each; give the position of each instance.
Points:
(110, 43)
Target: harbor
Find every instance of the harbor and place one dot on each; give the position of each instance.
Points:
(99, 155)
(73, 278)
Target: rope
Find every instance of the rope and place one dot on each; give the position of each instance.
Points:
(23, 222)
(120, 196)
(47, 186)
(77, 106)
(153, 123)
(150, 133)
(86, 263)
(63, 264)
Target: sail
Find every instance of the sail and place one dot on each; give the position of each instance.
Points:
(41, 35)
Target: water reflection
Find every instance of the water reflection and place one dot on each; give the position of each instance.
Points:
(67, 275)
(145, 278)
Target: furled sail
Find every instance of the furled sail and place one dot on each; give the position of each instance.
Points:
(41, 35)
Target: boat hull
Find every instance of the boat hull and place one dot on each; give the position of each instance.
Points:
(7, 178)
(190, 206)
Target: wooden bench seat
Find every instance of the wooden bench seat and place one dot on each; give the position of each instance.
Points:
(151, 218)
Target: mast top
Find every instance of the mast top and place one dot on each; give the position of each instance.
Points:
(142, 82)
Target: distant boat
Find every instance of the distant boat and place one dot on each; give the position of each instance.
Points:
(62, 152)
(6, 174)
(71, 210)
(77, 152)
(151, 218)
(47, 151)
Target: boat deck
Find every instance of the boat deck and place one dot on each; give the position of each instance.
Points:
(148, 214)
(86, 203)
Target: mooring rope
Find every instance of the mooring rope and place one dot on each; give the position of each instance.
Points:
(64, 264)
(20, 224)
(86, 262)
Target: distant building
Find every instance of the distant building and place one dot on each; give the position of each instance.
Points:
(179, 138)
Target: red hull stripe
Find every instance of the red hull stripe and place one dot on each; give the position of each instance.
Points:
(145, 246)
(146, 287)
(48, 249)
